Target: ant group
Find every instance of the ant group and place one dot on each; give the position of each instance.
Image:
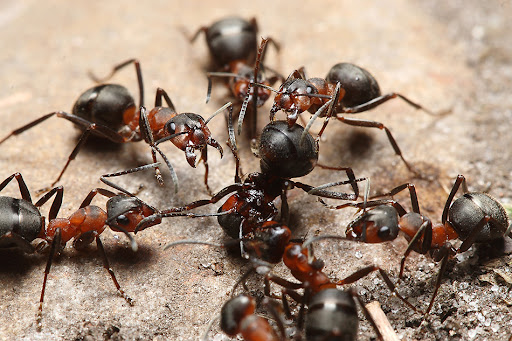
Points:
(109, 111)
(232, 43)
(282, 157)
(474, 217)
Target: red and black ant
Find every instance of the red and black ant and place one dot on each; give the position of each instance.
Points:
(347, 89)
(331, 313)
(109, 111)
(269, 244)
(23, 224)
(233, 47)
(474, 217)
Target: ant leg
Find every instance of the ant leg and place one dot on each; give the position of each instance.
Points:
(331, 105)
(57, 202)
(259, 58)
(202, 29)
(20, 242)
(118, 67)
(470, 240)
(147, 135)
(460, 179)
(209, 76)
(274, 312)
(158, 99)
(25, 193)
(282, 282)
(56, 241)
(369, 269)
(442, 254)
(285, 208)
(412, 193)
(350, 175)
(107, 267)
(373, 124)
(124, 172)
(89, 128)
(384, 98)
(94, 192)
(321, 192)
(27, 126)
(232, 145)
(425, 232)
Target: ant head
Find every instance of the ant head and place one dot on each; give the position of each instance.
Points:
(375, 226)
(240, 85)
(233, 311)
(268, 242)
(125, 213)
(295, 258)
(294, 95)
(283, 154)
(192, 127)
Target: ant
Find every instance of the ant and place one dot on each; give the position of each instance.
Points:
(331, 313)
(347, 89)
(472, 218)
(109, 111)
(21, 229)
(233, 46)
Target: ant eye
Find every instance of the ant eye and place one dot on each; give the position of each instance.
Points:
(384, 232)
(171, 127)
(309, 89)
(123, 220)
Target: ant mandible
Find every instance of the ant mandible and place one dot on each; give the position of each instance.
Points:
(232, 43)
(347, 89)
(472, 218)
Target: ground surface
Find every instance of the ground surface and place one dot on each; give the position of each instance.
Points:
(455, 55)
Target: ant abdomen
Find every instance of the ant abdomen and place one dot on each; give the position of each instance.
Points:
(359, 85)
(467, 211)
(283, 154)
(105, 104)
(232, 39)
